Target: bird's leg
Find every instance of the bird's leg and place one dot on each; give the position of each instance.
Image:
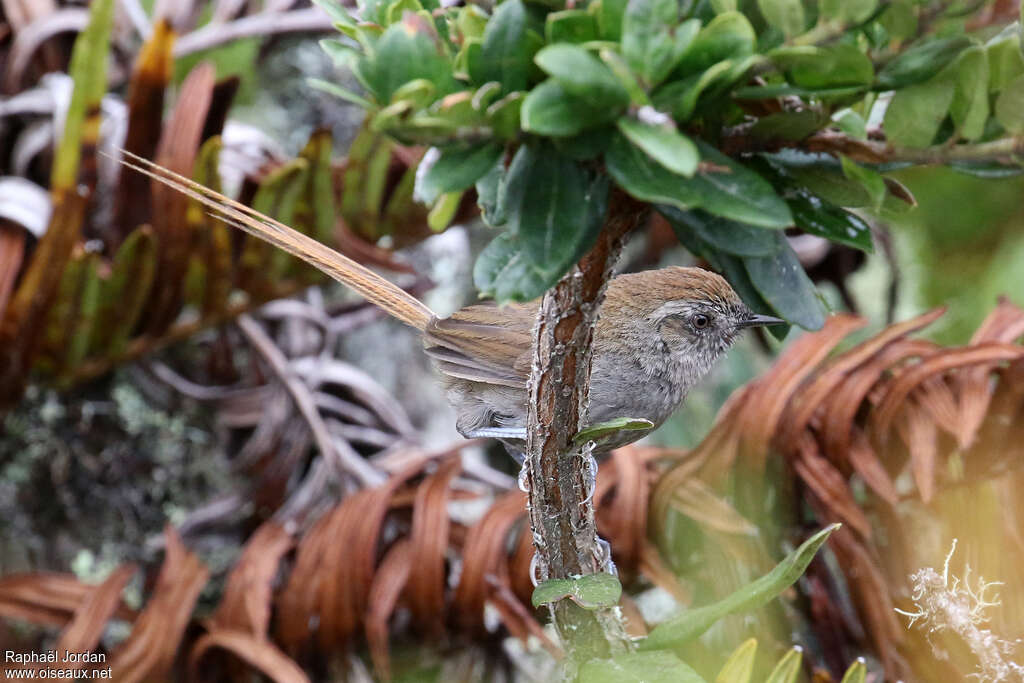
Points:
(515, 433)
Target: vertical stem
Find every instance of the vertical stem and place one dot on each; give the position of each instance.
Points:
(561, 509)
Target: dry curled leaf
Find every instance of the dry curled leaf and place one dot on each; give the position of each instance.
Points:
(152, 646)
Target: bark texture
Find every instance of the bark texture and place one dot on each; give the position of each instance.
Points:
(559, 477)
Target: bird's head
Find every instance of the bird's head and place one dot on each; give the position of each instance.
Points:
(694, 313)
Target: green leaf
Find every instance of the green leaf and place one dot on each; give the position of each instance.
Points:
(740, 665)
(857, 673)
(132, 273)
(1010, 106)
(454, 170)
(724, 235)
(609, 19)
(822, 68)
(554, 206)
(1005, 61)
(510, 42)
(583, 75)
(770, 92)
(590, 591)
(639, 667)
(781, 280)
(490, 195)
(614, 61)
(88, 70)
(590, 144)
(920, 63)
(969, 107)
(870, 180)
(785, 15)
(727, 36)
(789, 125)
(694, 622)
(554, 209)
(725, 189)
(374, 11)
(851, 123)
(733, 191)
(407, 51)
(471, 22)
(663, 143)
(570, 26)
(504, 272)
(443, 212)
(609, 427)
(642, 177)
(817, 216)
(916, 112)
(900, 19)
(653, 41)
(788, 668)
(337, 13)
(341, 93)
(848, 11)
(82, 327)
(504, 116)
(550, 110)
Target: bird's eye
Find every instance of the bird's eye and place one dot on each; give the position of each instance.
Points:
(701, 321)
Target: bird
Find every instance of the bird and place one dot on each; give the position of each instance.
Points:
(659, 333)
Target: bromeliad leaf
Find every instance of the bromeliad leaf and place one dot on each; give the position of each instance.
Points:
(582, 74)
(739, 667)
(453, 170)
(663, 143)
(857, 673)
(782, 282)
(788, 668)
(639, 667)
(692, 623)
(590, 591)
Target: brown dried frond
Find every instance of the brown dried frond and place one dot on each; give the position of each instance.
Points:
(833, 419)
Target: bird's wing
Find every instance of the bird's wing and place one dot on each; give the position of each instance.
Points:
(484, 344)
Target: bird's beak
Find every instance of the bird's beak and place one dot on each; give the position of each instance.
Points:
(757, 320)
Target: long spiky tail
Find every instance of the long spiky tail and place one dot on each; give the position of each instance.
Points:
(373, 287)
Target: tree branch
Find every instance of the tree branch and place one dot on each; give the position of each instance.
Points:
(560, 481)
(736, 141)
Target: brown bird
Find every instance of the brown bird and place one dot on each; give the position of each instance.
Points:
(659, 333)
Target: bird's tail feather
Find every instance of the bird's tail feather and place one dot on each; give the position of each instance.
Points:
(393, 299)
